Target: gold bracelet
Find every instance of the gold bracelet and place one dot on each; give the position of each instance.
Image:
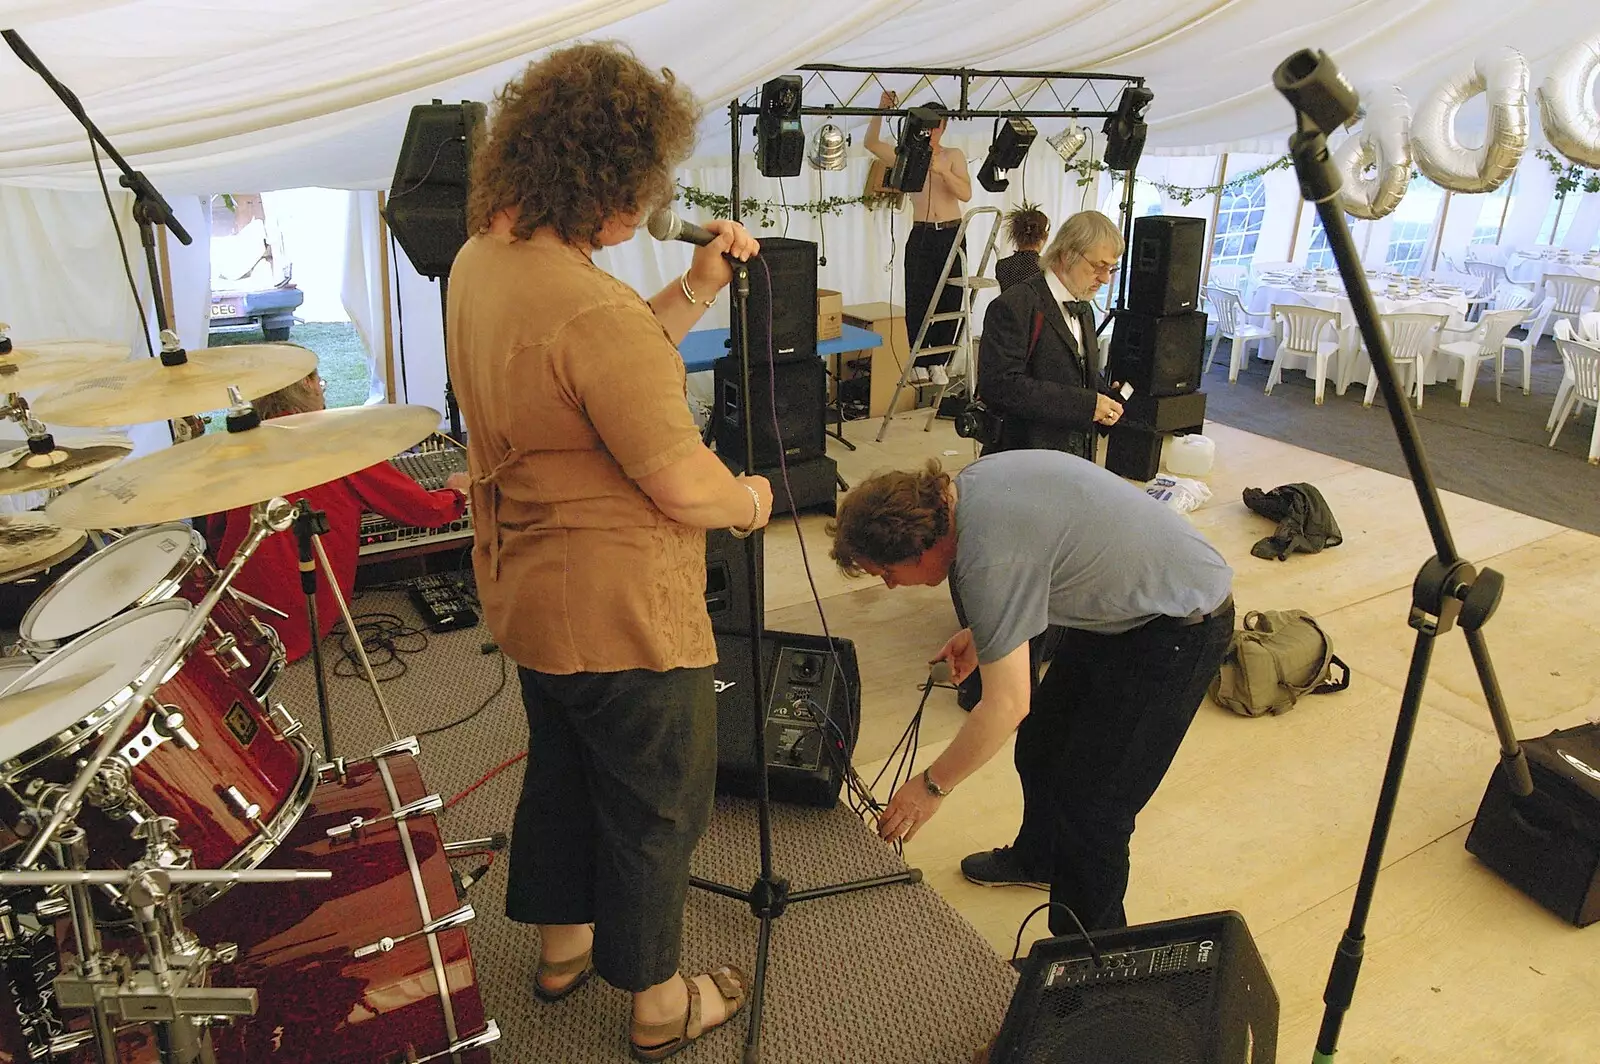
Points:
(688, 293)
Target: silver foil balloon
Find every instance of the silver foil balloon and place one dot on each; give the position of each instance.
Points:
(1566, 106)
(1384, 144)
(827, 148)
(1440, 156)
(1069, 142)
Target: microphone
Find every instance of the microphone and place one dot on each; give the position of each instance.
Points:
(664, 225)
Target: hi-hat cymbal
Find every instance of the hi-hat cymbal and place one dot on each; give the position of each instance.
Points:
(128, 393)
(31, 542)
(224, 470)
(67, 463)
(48, 364)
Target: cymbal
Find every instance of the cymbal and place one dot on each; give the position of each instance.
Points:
(128, 393)
(17, 705)
(224, 470)
(32, 542)
(68, 463)
(47, 364)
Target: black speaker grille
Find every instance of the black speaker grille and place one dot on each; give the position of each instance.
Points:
(1161, 1020)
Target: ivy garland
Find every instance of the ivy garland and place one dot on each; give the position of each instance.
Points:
(1184, 194)
(1570, 177)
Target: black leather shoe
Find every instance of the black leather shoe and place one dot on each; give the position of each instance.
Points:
(1000, 867)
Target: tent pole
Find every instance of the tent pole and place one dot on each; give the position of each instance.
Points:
(1216, 209)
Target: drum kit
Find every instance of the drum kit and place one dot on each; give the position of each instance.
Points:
(149, 786)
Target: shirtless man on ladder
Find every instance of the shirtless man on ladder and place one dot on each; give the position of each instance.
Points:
(937, 220)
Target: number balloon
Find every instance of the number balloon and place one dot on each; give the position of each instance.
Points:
(1384, 144)
(1439, 152)
(1566, 104)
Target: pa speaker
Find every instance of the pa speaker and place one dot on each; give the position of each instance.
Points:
(427, 208)
(782, 307)
(1159, 356)
(793, 393)
(1168, 254)
(727, 580)
(1190, 991)
(810, 711)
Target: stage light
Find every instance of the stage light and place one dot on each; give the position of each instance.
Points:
(1069, 142)
(914, 151)
(780, 142)
(1006, 152)
(827, 148)
(1125, 130)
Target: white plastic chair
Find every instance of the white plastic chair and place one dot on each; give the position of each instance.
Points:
(1491, 275)
(1572, 293)
(1510, 296)
(1582, 364)
(1237, 324)
(1230, 277)
(1485, 344)
(1563, 331)
(1530, 339)
(1412, 340)
(1301, 331)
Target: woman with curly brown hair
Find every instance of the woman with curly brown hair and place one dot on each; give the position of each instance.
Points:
(591, 494)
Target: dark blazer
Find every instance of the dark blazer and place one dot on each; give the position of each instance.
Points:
(1047, 401)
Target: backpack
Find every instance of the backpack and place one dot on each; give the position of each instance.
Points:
(1278, 656)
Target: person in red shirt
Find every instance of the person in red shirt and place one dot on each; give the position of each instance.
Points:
(273, 573)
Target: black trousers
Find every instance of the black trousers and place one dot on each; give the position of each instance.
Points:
(926, 250)
(618, 789)
(1103, 728)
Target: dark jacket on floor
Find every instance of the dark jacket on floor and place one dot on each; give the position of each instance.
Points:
(1305, 523)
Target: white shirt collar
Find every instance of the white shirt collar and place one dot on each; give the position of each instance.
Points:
(1057, 289)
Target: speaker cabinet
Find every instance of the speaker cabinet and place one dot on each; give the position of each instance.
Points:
(783, 303)
(1159, 356)
(427, 207)
(1189, 991)
(1134, 447)
(1168, 253)
(811, 710)
(801, 393)
(727, 580)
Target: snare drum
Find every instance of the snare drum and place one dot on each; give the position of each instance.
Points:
(155, 564)
(235, 777)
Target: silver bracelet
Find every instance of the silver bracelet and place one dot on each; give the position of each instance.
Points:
(755, 518)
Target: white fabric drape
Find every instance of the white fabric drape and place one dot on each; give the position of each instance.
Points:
(361, 292)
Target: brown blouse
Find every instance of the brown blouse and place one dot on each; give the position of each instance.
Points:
(571, 390)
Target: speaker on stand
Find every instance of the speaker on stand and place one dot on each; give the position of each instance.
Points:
(427, 206)
(1189, 991)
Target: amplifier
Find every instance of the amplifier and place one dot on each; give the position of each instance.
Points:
(812, 709)
(1548, 844)
(1189, 991)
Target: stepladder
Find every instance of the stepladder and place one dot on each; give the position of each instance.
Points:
(968, 275)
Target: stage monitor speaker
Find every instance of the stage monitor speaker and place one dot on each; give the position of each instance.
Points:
(783, 303)
(1159, 356)
(1169, 252)
(427, 207)
(812, 712)
(727, 586)
(801, 392)
(1189, 991)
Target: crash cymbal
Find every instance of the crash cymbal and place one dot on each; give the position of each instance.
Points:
(67, 463)
(31, 542)
(47, 364)
(128, 393)
(17, 733)
(225, 470)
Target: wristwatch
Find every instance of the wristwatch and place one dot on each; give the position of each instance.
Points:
(933, 788)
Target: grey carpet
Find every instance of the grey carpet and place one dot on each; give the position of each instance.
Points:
(887, 975)
(1495, 452)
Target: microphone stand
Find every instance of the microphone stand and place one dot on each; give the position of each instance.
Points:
(308, 524)
(149, 208)
(770, 895)
(1448, 589)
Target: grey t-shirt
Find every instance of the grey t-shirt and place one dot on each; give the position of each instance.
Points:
(1044, 537)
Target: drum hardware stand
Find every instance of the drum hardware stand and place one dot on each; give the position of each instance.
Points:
(1448, 589)
(265, 518)
(770, 895)
(361, 649)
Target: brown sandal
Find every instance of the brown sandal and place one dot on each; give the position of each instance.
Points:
(662, 1040)
(581, 966)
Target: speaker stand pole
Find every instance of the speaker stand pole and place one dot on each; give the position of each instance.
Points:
(451, 408)
(770, 895)
(1448, 590)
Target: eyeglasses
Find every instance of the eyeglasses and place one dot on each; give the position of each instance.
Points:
(1108, 268)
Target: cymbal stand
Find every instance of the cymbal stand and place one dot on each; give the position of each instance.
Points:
(355, 637)
(266, 518)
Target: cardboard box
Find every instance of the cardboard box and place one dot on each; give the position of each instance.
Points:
(830, 314)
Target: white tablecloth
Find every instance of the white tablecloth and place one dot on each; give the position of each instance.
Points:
(1351, 354)
(1533, 271)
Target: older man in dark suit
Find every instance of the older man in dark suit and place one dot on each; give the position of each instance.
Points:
(1039, 365)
